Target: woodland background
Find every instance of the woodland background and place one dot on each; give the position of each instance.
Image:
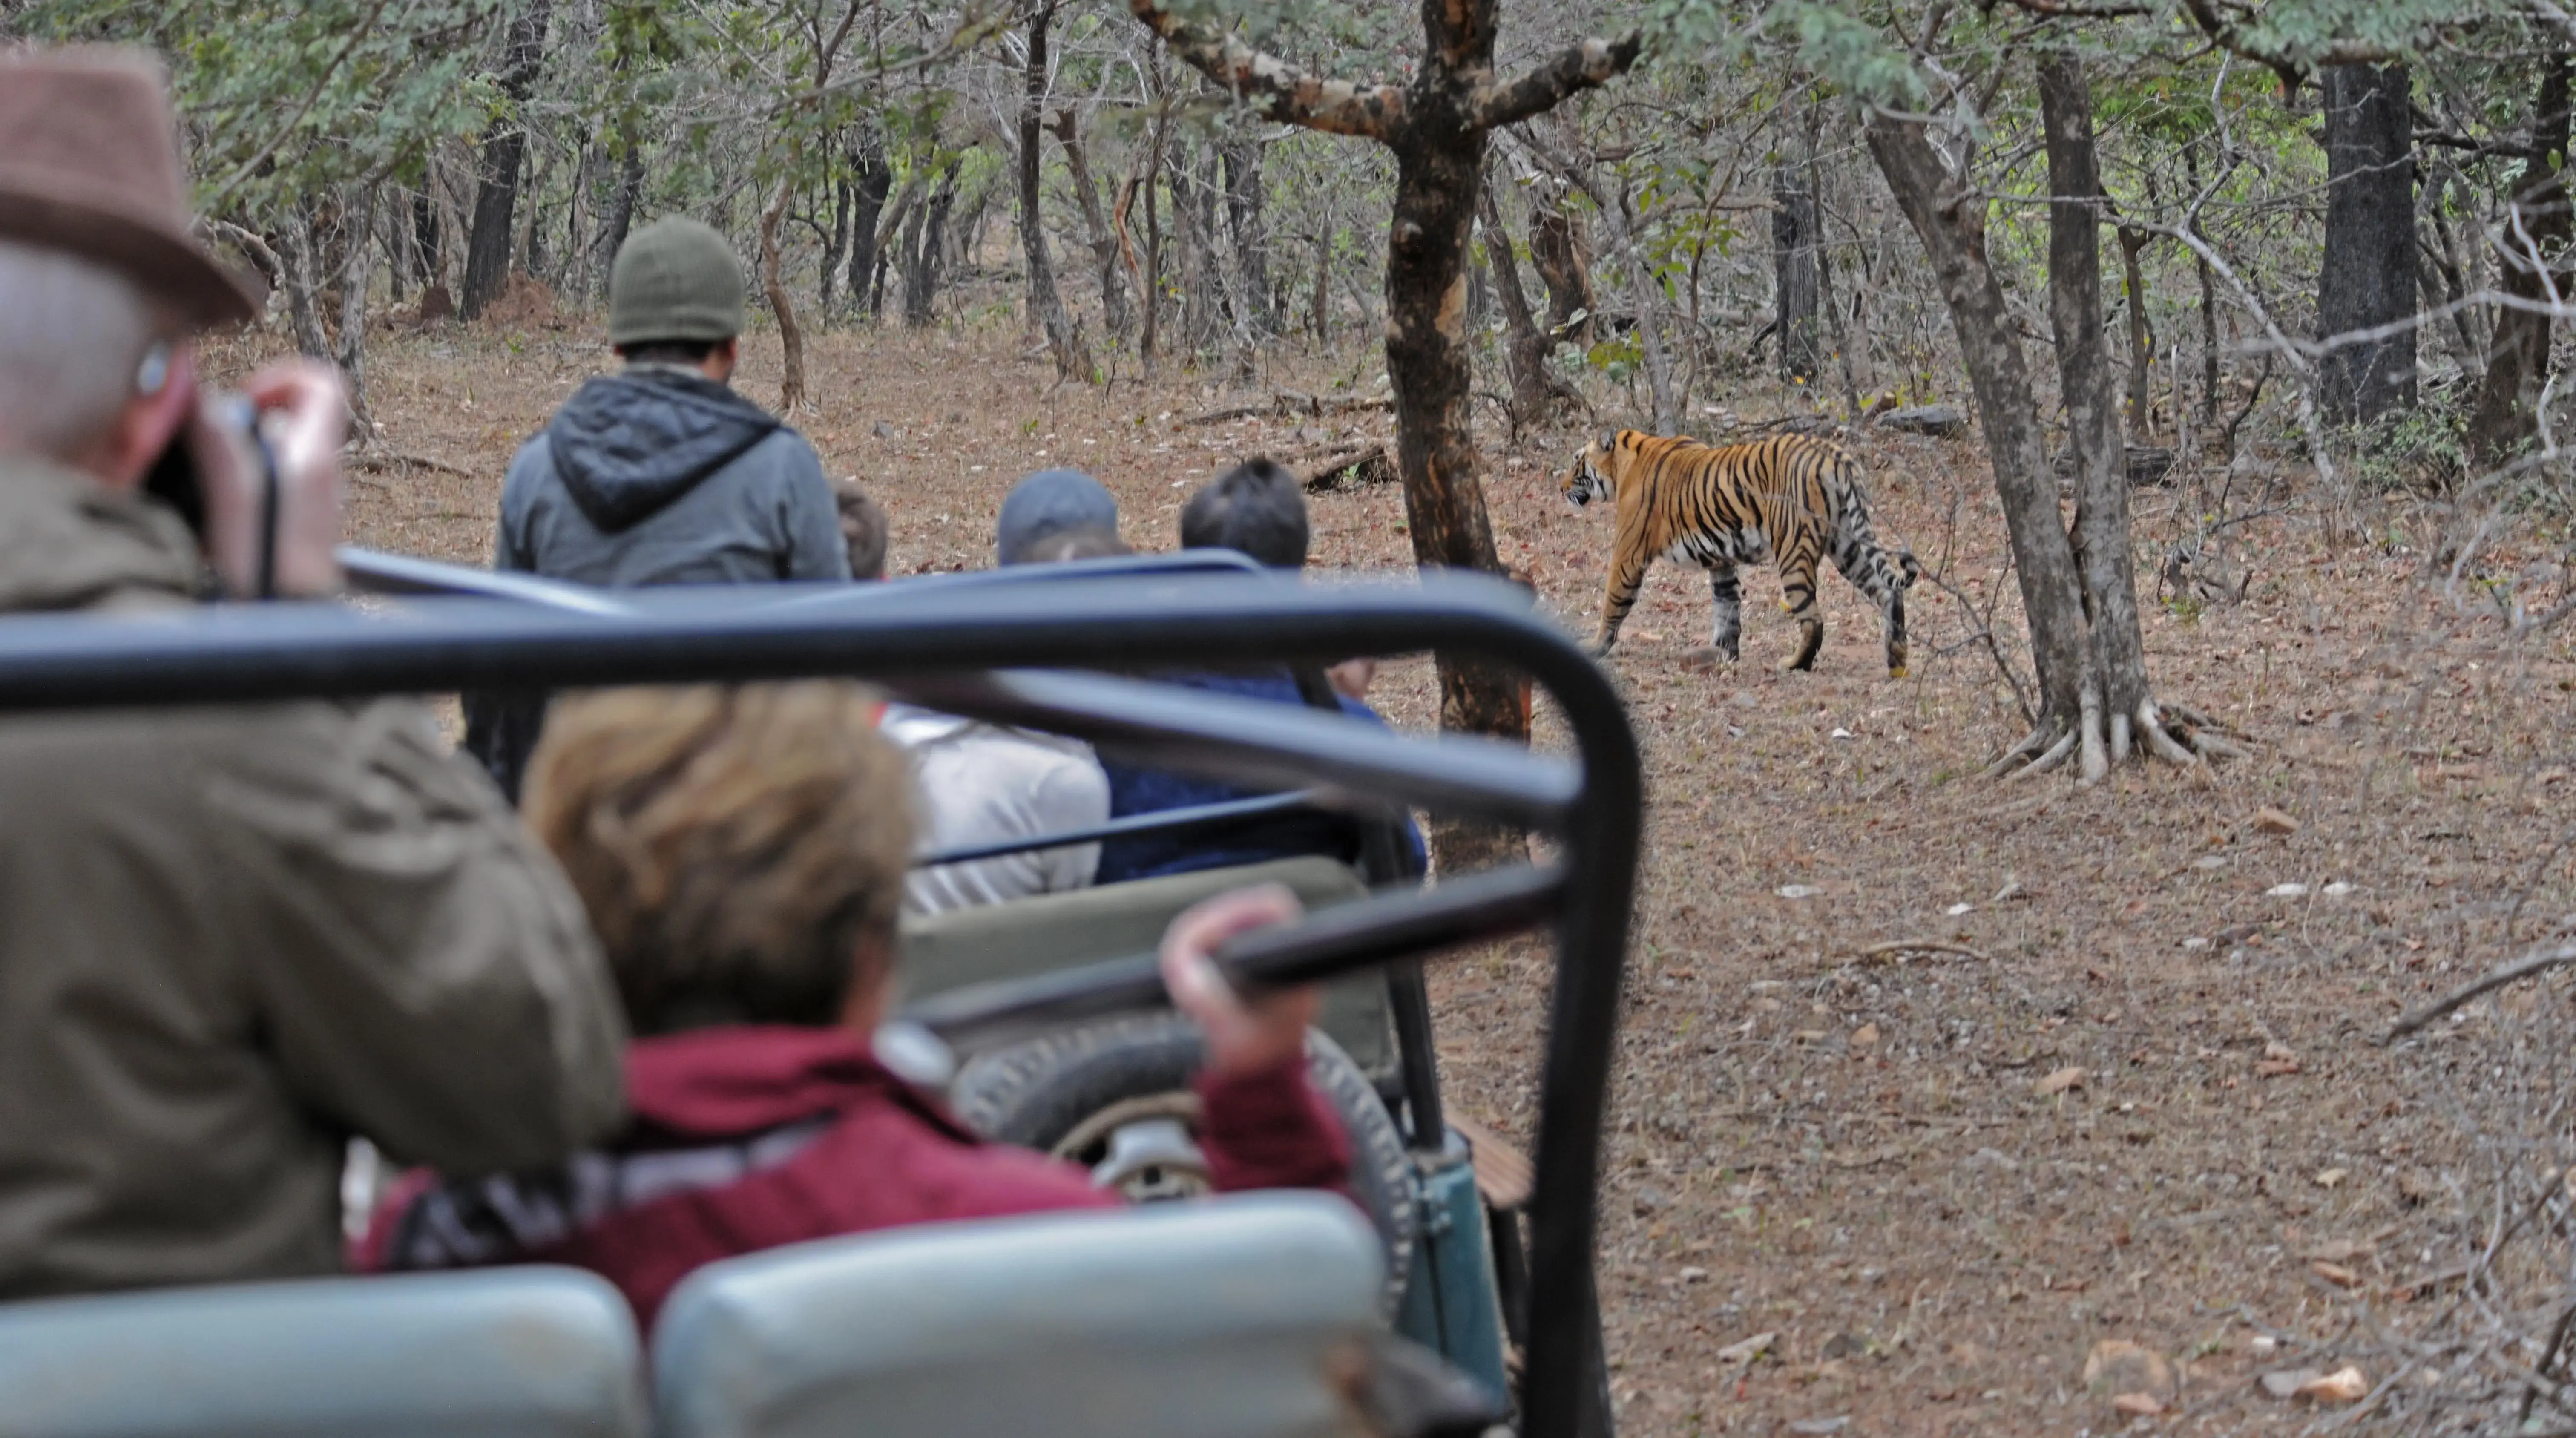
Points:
(2313, 373)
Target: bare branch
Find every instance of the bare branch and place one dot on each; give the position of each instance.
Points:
(1580, 67)
(1273, 88)
(2540, 962)
(2228, 36)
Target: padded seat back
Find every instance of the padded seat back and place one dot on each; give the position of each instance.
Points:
(1208, 1319)
(510, 1353)
(1060, 931)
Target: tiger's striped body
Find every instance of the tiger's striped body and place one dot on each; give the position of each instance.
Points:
(1793, 498)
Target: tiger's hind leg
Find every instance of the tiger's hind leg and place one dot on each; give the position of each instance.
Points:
(1726, 603)
(1884, 579)
(1798, 596)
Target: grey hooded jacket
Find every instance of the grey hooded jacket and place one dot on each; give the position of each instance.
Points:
(659, 475)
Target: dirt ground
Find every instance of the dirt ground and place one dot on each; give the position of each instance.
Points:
(2114, 1082)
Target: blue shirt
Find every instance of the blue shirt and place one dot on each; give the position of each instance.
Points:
(1134, 790)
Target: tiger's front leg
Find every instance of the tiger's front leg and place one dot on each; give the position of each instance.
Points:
(1726, 604)
(1627, 577)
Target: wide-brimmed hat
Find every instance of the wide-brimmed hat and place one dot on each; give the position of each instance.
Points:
(89, 165)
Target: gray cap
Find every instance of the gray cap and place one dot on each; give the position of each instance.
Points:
(1049, 502)
(675, 280)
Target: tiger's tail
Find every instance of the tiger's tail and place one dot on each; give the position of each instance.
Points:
(1881, 573)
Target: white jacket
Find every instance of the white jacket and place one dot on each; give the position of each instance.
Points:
(981, 783)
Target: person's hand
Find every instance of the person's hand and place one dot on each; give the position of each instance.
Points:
(1242, 1038)
(1352, 677)
(303, 410)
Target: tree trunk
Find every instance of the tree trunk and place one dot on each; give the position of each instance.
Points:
(1320, 322)
(303, 286)
(922, 264)
(426, 269)
(1951, 222)
(1799, 280)
(2208, 302)
(836, 244)
(1064, 337)
(2368, 277)
(782, 306)
(1114, 314)
(876, 181)
(894, 238)
(1564, 261)
(2142, 338)
(360, 220)
(1248, 225)
(621, 213)
(488, 244)
(1153, 270)
(2532, 261)
(2118, 677)
(1536, 394)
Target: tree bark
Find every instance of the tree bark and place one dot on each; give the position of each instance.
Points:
(488, 244)
(1248, 226)
(303, 286)
(2368, 277)
(2531, 257)
(1114, 314)
(1564, 262)
(1064, 337)
(876, 181)
(1950, 219)
(2142, 338)
(2102, 556)
(360, 222)
(1537, 395)
(836, 245)
(922, 266)
(1797, 282)
(782, 306)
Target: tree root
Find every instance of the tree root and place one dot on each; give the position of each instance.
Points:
(2055, 756)
(2100, 743)
(2031, 743)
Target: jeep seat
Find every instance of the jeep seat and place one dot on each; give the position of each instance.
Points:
(1212, 1319)
(510, 1353)
(1059, 931)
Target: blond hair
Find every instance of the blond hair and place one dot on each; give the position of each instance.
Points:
(737, 848)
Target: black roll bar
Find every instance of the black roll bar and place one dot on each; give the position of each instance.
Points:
(935, 645)
(1162, 821)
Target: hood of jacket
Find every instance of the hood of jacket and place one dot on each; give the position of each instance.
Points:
(68, 542)
(626, 445)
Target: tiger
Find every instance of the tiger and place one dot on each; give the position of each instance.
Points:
(1792, 496)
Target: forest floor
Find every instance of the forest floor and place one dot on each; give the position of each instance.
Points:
(2124, 1085)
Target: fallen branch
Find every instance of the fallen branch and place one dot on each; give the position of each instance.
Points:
(380, 460)
(1364, 464)
(1919, 946)
(2515, 973)
(1288, 404)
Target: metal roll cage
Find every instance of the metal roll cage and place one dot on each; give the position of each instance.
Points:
(970, 645)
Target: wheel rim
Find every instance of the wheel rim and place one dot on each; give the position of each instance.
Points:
(1145, 1148)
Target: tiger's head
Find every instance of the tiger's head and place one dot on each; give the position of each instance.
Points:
(1592, 476)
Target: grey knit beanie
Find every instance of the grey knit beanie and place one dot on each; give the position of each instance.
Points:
(674, 280)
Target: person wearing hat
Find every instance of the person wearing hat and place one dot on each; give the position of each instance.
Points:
(660, 473)
(230, 938)
(1048, 503)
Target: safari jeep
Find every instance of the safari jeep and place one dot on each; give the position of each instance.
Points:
(1462, 1299)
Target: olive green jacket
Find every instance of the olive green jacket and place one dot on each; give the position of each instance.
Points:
(232, 938)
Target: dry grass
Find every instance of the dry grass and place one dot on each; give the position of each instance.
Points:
(1852, 1150)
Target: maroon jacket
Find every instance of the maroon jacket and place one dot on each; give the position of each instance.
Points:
(742, 1139)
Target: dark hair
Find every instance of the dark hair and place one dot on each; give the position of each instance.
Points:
(689, 352)
(1257, 507)
(1088, 542)
(863, 529)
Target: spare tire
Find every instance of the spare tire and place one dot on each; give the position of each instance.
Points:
(1076, 1094)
